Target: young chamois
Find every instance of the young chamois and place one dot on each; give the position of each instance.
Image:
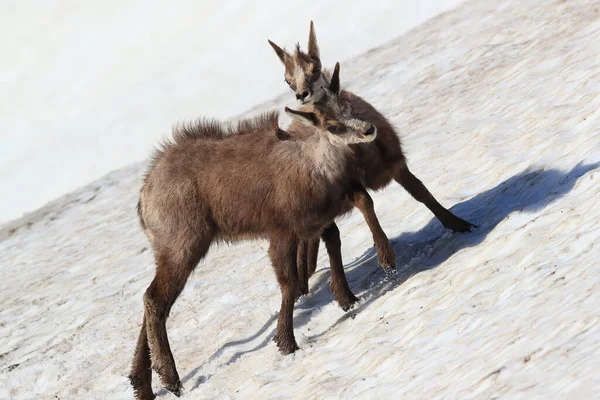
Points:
(379, 161)
(214, 184)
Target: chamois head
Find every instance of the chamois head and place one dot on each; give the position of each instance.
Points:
(303, 72)
(332, 115)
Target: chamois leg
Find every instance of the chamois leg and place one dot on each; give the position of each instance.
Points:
(302, 265)
(306, 260)
(141, 371)
(312, 255)
(417, 190)
(172, 272)
(385, 252)
(339, 284)
(283, 252)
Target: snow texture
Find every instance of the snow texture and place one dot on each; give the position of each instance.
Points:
(88, 87)
(499, 108)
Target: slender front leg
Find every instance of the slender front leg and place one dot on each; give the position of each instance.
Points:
(339, 284)
(385, 252)
(417, 190)
(283, 252)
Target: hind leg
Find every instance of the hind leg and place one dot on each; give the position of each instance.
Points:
(283, 252)
(141, 371)
(302, 265)
(312, 255)
(339, 283)
(417, 190)
(172, 271)
(306, 260)
(385, 253)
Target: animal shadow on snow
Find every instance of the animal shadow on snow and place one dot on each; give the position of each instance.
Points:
(425, 249)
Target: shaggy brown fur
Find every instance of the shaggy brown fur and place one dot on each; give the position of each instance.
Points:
(213, 183)
(380, 161)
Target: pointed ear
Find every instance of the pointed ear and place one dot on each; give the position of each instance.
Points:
(283, 135)
(334, 86)
(313, 48)
(306, 118)
(279, 51)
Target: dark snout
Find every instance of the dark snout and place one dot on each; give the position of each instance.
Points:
(371, 131)
(302, 96)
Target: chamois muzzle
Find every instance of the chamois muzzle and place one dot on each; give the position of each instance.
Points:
(302, 96)
(369, 134)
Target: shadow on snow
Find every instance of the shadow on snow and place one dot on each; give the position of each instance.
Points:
(419, 251)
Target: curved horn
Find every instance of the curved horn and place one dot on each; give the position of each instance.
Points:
(307, 118)
(334, 86)
(313, 48)
(279, 51)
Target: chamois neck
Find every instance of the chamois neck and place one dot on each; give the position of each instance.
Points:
(328, 159)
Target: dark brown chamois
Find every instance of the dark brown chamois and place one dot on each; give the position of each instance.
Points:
(380, 161)
(211, 183)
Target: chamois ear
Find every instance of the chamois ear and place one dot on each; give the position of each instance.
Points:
(279, 51)
(306, 118)
(334, 86)
(283, 135)
(313, 48)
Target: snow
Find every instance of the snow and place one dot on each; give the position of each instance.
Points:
(498, 106)
(90, 87)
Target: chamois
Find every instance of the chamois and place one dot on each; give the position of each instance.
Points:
(379, 161)
(211, 183)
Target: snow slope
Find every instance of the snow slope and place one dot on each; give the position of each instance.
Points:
(499, 108)
(88, 87)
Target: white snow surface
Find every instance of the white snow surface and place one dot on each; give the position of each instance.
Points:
(499, 107)
(88, 87)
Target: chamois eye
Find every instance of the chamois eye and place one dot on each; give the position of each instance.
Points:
(288, 82)
(316, 70)
(332, 128)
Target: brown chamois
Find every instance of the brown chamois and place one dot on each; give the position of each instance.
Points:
(380, 161)
(211, 183)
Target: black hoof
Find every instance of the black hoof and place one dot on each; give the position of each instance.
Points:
(303, 290)
(348, 304)
(460, 225)
(141, 390)
(177, 389)
(286, 346)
